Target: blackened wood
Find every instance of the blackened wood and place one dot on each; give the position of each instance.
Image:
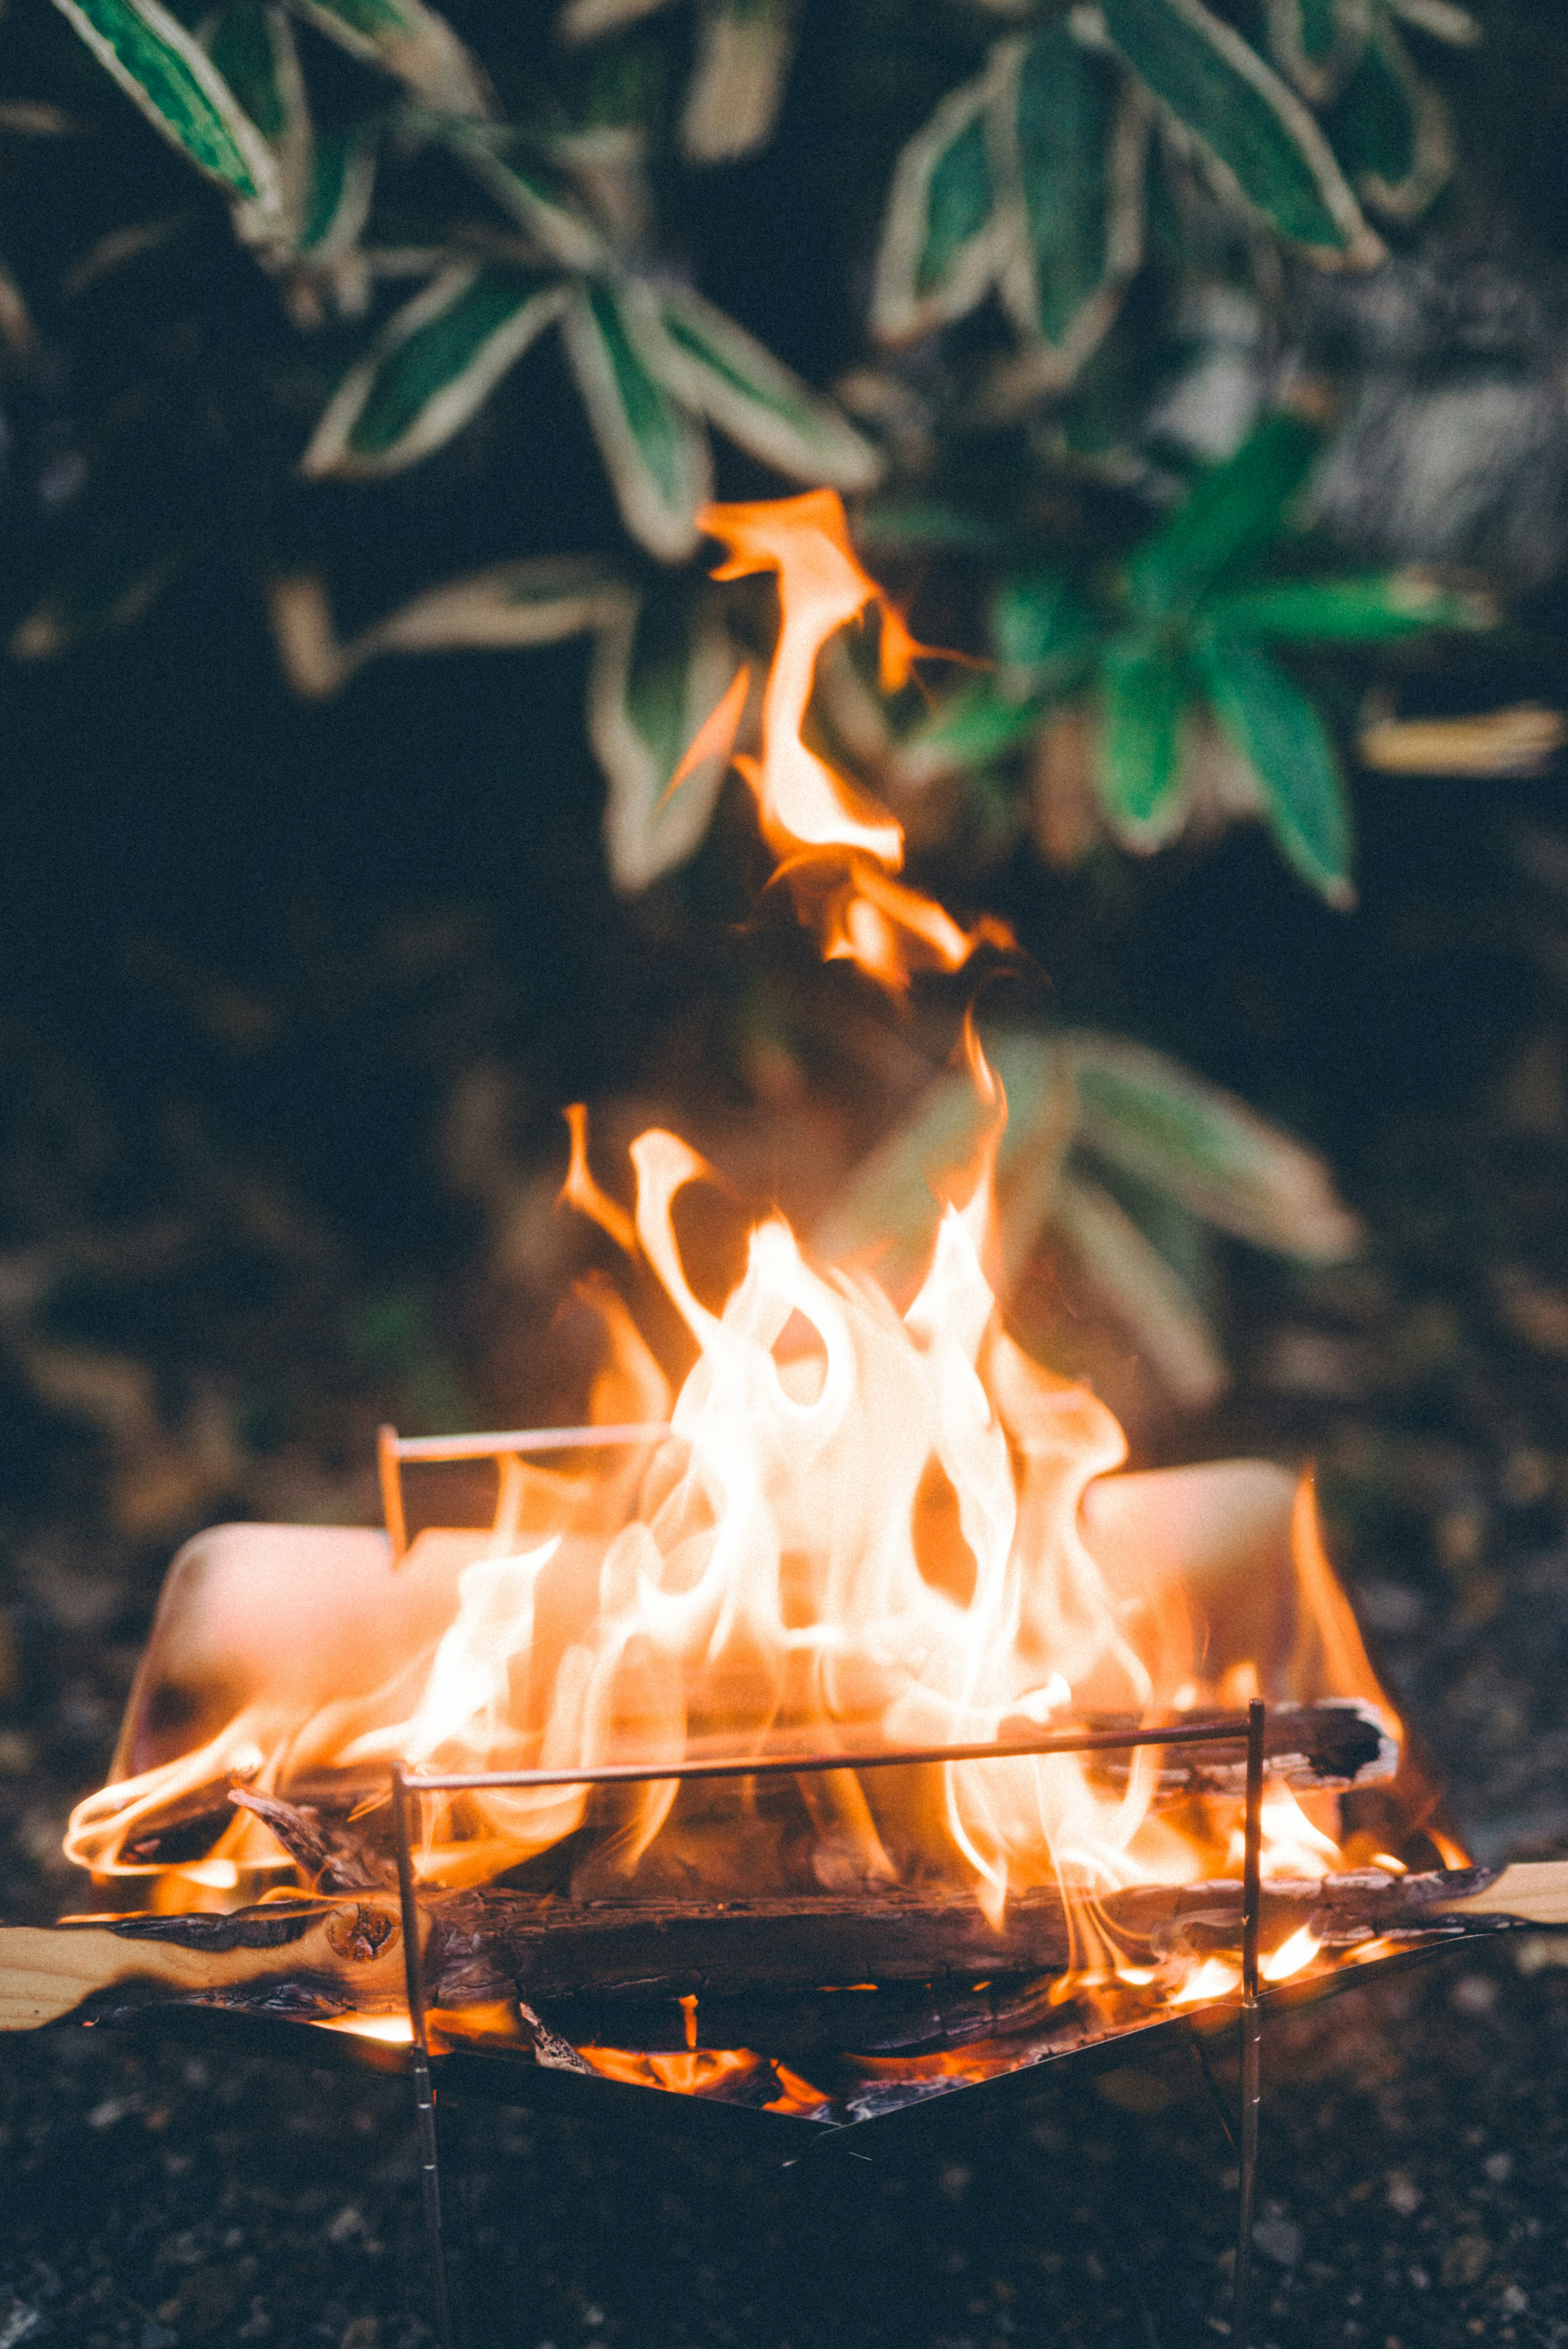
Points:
(1323, 1748)
(330, 1858)
(491, 1943)
(555, 1949)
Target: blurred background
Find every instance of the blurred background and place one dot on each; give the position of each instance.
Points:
(321, 895)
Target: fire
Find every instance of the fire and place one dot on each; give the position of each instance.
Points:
(864, 1530)
(838, 850)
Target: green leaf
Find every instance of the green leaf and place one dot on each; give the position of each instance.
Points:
(1137, 748)
(1232, 512)
(1318, 42)
(743, 52)
(714, 366)
(431, 368)
(1391, 131)
(942, 237)
(1277, 728)
(966, 730)
(1251, 122)
(655, 449)
(165, 71)
(1078, 129)
(661, 666)
(1042, 633)
(343, 182)
(411, 43)
(1138, 1289)
(1150, 1118)
(1367, 609)
(532, 190)
(251, 44)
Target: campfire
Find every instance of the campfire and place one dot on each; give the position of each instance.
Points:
(826, 1730)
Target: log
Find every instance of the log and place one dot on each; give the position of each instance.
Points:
(329, 1957)
(1312, 1748)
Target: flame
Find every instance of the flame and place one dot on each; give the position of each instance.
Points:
(838, 849)
(1291, 1956)
(863, 1531)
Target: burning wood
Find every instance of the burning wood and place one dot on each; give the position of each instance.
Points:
(319, 1959)
(869, 1522)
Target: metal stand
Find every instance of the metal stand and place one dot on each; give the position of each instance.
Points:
(407, 1787)
(508, 1451)
(426, 2134)
(1252, 2024)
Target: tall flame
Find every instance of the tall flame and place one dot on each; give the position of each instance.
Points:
(838, 850)
(862, 1531)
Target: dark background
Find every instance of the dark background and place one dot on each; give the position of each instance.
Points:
(266, 970)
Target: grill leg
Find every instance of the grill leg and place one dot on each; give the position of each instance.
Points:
(1252, 2098)
(430, 2197)
(1251, 2023)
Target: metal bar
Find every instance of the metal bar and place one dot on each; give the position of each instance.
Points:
(1251, 2023)
(635, 1773)
(419, 2067)
(387, 1461)
(523, 1439)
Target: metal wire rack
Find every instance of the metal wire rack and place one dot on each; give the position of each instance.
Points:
(410, 1786)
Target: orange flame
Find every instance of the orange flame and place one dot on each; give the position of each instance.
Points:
(863, 1530)
(838, 850)
(866, 1529)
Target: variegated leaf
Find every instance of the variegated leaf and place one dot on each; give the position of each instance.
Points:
(1443, 19)
(164, 70)
(1318, 43)
(343, 182)
(662, 664)
(251, 44)
(1148, 1117)
(713, 365)
(431, 368)
(942, 238)
(411, 43)
(743, 52)
(1277, 728)
(1250, 122)
(590, 20)
(528, 187)
(1141, 1290)
(1390, 129)
(1522, 739)
(503, 608)
(1077, 130)
(655, 448)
